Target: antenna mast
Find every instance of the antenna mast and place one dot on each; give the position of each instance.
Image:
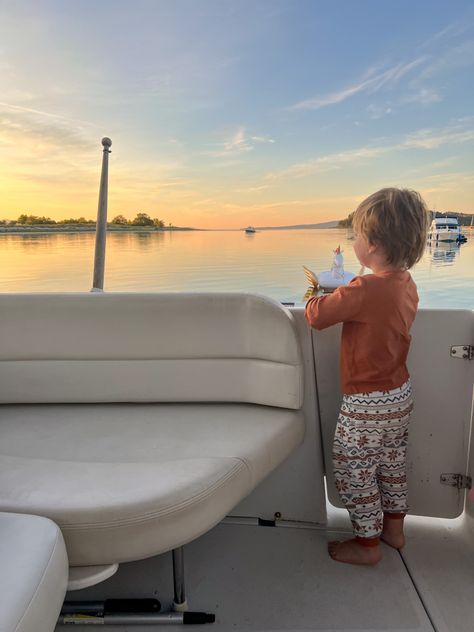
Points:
(101, 226)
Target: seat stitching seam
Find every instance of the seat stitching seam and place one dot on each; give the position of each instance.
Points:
(144, 517)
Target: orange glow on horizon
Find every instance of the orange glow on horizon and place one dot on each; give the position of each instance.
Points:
(44, 181)
(191, 208)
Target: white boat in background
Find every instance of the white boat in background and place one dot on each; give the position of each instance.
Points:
(250, 230)
(445, 229)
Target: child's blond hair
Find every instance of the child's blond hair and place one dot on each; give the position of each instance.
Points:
(397, 220)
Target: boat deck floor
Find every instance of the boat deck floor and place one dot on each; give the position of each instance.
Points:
(264, 578)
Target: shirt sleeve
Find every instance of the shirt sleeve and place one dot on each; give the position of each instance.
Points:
(344, 304)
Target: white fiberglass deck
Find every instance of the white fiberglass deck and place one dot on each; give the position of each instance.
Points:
(264, 578)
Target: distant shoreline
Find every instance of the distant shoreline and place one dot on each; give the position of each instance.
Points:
(91, 228)
(38, 229)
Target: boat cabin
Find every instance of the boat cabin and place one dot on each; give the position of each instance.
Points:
(444, 229)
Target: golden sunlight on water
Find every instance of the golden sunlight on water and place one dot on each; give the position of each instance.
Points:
(267, 262)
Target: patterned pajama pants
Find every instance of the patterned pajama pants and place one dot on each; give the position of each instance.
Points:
(369, 456)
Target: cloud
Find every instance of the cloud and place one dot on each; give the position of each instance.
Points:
(439, 164)
(445, 182)
(424, 96)
(431, 139)
(442, 61)
(262, 139)
(370, 84)
(378, 111)
(428, 138)
(252, 189)
(457, 57)
(48, 160)
(238, 143)
(449, 32)
(428, 65)
(453, 176)
(20, 108)
(31, 134)
(330, 162)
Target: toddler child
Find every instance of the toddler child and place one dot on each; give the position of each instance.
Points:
(377, 310)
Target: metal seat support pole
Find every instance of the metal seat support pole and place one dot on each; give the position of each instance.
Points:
(180, 604)
(125, 611)
(101, 228)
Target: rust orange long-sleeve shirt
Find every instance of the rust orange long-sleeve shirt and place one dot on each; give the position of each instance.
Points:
(377, 311)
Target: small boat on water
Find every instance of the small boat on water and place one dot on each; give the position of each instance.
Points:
(445, 229)
(250, 230)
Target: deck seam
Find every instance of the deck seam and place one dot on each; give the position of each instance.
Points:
(418, 592)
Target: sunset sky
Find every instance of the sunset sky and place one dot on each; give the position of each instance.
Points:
(225, 113)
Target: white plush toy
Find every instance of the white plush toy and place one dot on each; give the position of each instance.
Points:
(331, 279)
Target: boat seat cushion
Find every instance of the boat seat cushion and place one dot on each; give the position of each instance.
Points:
(138, 421)
(91, 348)
(128, 481)
(33, 573)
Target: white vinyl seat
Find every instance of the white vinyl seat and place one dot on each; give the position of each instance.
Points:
(152, 476)
(138, 422)
(33, 573)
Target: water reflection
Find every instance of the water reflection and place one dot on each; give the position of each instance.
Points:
(144, 241)
(44, 242)
(268, 262)
(28, 242)
(444, 253)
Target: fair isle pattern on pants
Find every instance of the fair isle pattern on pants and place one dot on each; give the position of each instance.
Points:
(369, 456)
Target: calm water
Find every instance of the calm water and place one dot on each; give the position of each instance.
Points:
(268, 262)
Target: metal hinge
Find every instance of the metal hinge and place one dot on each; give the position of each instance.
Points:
(456, 480)
(463, 351)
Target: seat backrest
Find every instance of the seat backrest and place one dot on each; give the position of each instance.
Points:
(100, 347)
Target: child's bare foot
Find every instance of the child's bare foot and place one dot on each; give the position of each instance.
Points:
(351, 552)
(392, 533)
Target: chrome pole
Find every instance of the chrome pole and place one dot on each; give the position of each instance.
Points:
(101, 226)
(179, 604)
(138, 619)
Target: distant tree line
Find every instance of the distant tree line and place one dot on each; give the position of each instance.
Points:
(34, 220)
(141, 219)
(464, 219)
(346, 223)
